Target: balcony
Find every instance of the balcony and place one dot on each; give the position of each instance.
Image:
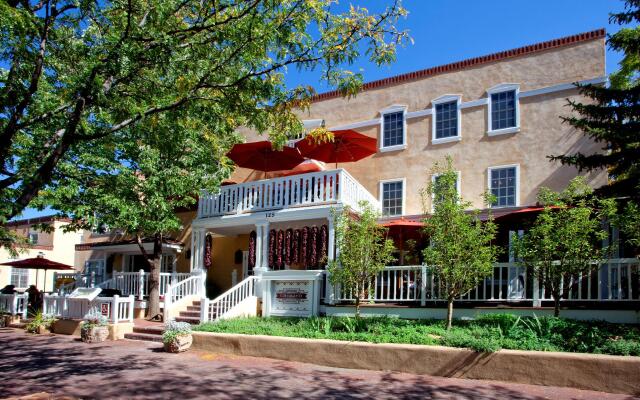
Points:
(303, 190)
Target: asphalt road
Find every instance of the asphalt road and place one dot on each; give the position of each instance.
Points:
(62, 366)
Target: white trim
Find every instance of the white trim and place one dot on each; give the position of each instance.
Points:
(458, 186)
(312, 123)
(517, 167)
(390, 110)
(478, 102)
(440, 100)
(404, 194)
(503, 87)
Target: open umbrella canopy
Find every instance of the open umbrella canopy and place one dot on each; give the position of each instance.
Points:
(261, 156)
(347, 146)
(37, 263)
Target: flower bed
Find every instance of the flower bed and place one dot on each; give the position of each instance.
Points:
(488, 333)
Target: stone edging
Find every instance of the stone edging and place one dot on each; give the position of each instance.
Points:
(614, 374)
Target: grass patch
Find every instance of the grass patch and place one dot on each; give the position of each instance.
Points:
(488, 333)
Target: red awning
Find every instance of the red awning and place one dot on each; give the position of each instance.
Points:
(261, 156)
(347, 146)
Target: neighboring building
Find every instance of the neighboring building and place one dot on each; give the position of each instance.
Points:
(56, 246)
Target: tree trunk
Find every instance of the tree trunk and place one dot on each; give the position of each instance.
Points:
(449, 312)
(556, 305)
(153, 311)
(358, 306)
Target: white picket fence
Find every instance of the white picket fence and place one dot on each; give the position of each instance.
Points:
(116, 309)
(616, 279)
(14, 304)
(211, 310)
(309, 189)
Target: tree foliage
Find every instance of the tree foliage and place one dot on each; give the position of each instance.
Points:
(611, 115)
(461, 253)
(363, 251)
(78, 74)
(565, 239)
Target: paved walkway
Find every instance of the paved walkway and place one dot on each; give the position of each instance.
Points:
(64, 366)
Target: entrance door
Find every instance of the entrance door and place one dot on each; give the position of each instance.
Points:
(97, 268)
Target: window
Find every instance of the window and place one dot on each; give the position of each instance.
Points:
(434, 179)
(33, 238)
(393, 128)
(446, 119)
(503, 184)
(392, 197)
(503, 112)
(20, 277)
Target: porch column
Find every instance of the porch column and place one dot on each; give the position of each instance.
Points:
(197, 249)
(329, 294)
(264, 254)
(262, 259)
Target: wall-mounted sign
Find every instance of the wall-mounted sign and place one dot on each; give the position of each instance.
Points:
(104, 309)
(291, 293)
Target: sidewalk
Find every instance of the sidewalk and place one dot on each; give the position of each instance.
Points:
(64, 366)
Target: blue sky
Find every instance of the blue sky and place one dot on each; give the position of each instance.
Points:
(446, 31)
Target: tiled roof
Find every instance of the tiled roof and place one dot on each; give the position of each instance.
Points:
(472, 62)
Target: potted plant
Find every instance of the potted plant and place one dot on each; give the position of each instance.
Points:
(94, 328)
(40, 324)
(177, 337)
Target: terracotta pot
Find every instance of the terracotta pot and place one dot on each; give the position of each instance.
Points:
(43, 331)
(179, 344)
(95, 334)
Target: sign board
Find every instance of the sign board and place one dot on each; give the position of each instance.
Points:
(291, 298)
(104, 309)
(85, 293)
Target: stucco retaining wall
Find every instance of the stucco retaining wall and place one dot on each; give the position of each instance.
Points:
(613, 374)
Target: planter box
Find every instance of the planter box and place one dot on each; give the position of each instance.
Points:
(614, 374)
(180, 344)
(96, 334)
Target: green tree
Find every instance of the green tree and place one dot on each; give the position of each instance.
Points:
(461, 253)
(565, 238)
(76, 72)
(363, 251)
(610, 114)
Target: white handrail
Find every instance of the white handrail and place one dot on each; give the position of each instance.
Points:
(192, 286)
(211, 310)
(117, 309)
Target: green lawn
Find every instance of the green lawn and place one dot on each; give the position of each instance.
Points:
(488, 333)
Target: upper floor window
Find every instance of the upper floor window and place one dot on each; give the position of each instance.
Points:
(446, 119)
(33, 238)
(392, 197)
(504, 185)
(394, 135)
(503, 112)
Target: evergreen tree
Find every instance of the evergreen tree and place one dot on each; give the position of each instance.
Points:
(611, 114)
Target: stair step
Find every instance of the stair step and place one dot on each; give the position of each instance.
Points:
(193, 308)
(143, 336)
(190, 314)
(191, 320)
(152, 330)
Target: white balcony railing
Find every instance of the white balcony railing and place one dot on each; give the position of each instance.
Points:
(316, 188)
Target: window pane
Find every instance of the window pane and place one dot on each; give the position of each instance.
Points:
(503, 110)
(19, 277)
(446, 120)
(392, 198)
(393, 129)
(503, 186)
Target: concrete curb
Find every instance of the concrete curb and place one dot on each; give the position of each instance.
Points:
(613, 374)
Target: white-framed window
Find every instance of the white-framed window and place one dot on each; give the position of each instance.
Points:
(97, 268)
(445, 119)
(33, 238)
(393, 128)
(392, 196)
(503, 113)
(434, 178)
(19, 278)
(504, 185)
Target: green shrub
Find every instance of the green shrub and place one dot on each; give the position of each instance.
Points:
(40, 320)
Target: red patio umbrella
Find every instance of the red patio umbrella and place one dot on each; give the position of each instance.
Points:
(347, 146)
(38, 263)
(261, 156)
